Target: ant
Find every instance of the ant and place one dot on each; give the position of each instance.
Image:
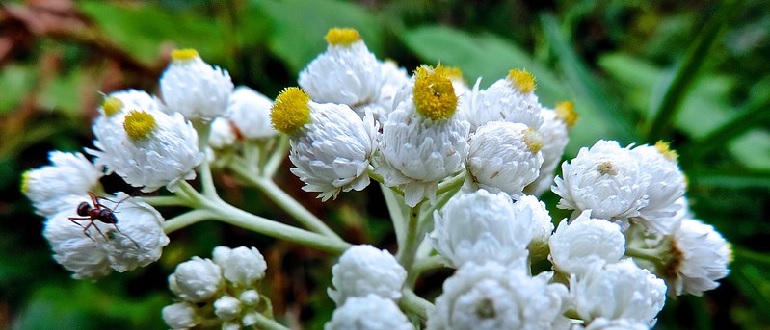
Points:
(99, 212)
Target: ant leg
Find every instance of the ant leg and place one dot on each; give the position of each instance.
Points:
(129, 237)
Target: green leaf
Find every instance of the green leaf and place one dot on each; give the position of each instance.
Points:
(752, 149)
(749, 274)
(686, 72)
(731, 178)
(299, 27)
(483, 56)
(17, 82)
(588, 86)
(636, 76)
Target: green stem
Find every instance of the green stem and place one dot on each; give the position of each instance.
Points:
(276, 157)
(406, 252)
(416, 304)
(422, 265)
(287, 203)
(186, 219)
(262, 322)
(204, 171)
(398, 213)
(452, 184)
(168, 200)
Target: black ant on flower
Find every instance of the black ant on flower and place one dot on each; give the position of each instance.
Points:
(99, 212)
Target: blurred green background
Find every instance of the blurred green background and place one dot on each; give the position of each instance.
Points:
(696, 73)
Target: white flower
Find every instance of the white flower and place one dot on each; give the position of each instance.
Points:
(197, 280)
(69, 173)
(555, 134)
(620, 291)
(481, 227)
(150, 149)
(330, 144)
(133, 238)
(667, 185)
(120, 102)
(243, 266)
(509, 99)
(364, 270)
(607, 179)
(579, 243)
(423, 139)
(504, 156)
(227, 308)
(370, 312)
(541, 223)
(347, 73)
(181, 315)
(249, 112)
(700, 257)
(394, 78)
(491, 296)
(193, 88)
(222, 134)
(249, 297)
(619, 324)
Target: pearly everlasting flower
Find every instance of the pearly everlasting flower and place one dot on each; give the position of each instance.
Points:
(248, 111)
(370, 312)
(227, 308)
(607, 179)
(243, 266)
(423, 139)
(667, 185)
(490, 296)
(540, 222)
(504, 156)
(222, 134)
(700, 257)
(620, 291)
(578, 244)
(197, 280)
(193, 88)
(555, 134)
(347, 73)
(149, 149)
(181, 315)
(330, 145)
(481, 227)
(394, 78)
(69, 173)
(509, 99)
(135, 240)
(364, 270)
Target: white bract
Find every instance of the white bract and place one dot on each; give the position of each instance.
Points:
(69, 173)
(510, 99)
(578, 244)
(667, 185)
(555, 135)
(222, 134)
(364, 270)
(150, 149)
(370, 312)
(180, 315)
(249, 112)
(700, 257)
(243, 266)
(503, 156)
(540, 222)
(193, 88)
(197, 280)
(607, 179)
(619, 291)
(491, 296)
(136, 240)
(480, 227)
(227, 308)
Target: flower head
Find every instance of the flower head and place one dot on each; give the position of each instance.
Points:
(700, 257)
(667, 185)
(181, 315)
(364, 270)
(370, 312)
(242, 266)
(555, 134)
(69, 173)
(197, 280)
(509, 99)
(579, 243)
(249, 112)
(193, 88)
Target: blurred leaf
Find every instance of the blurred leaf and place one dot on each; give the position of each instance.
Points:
(752, 149)
(487, 56)
(143, 28)
(665, 111)
(749, 274)
(64, 93)
(17, 82)
(299, 27)
(731, 178)
(636, 76)
(588, 86)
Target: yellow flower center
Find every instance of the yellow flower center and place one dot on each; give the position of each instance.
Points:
(111, 106)
(665, 149)
(25, 178)
(184, 55)
(606, 168)
(342, 36)
(566, 112)
(533, 139)
(522, 80)
(433, 94)
(138, 125)
(290, 111)
(454, 73)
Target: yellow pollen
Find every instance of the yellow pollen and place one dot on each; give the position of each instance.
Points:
(290, 111)
(533, 139)
(111, 106)
(433, 94)
(522, 80)
(184, 55)
(566, 112)
(665, 149)
(454, 73)
(25, 178)
(606, 168)
(138, 125)
(342, 36)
